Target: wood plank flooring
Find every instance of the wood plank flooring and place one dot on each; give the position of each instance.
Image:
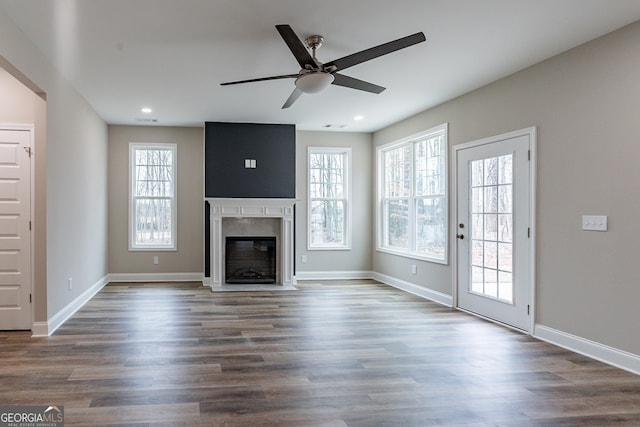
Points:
(352, 353)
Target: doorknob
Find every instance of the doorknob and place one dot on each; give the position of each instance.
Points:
(460, 236)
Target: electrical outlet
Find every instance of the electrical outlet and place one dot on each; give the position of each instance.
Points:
(70, 283)
(414, 269)
(303, 259)
(155, 260)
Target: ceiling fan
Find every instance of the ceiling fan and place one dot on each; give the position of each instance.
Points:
(316, 76)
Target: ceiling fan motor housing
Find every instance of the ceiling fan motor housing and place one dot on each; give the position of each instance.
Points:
(314, 82)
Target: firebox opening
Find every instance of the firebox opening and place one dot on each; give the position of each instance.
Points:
(250, 260)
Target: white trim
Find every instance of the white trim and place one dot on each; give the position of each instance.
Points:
(156, 277)
(412, 288)
(133, 146)
(346, 152)
(532, 133)
(220, 208)
(333, 275)
(379, 194)
(609, 355)
(32, 213)
(43, 329)
(40, 329)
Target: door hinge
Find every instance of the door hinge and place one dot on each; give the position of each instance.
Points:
(30, 299)
(29, 225)
(529, 232)
(28, 150)
(528, 309)
(529, 155)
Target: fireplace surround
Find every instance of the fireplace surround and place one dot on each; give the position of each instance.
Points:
(237, 217)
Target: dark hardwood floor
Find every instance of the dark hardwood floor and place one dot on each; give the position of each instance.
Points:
(354, 353)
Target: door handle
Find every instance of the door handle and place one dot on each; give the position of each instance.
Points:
(460, 236)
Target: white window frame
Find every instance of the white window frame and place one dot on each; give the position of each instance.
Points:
(346, 229)
(411, 251)
(133, 246)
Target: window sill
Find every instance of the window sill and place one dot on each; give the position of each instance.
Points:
(328, 248)
(153, 249)
(413, 255)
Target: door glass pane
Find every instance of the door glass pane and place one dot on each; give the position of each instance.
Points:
(491, 231)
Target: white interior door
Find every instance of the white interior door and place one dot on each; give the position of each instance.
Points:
(493, 229)
(15, 235)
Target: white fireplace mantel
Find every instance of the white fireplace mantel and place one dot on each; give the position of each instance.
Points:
(251, 208)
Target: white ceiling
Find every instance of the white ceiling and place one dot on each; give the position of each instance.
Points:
(172, 55)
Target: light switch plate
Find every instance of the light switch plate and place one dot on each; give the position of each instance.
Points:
(594, 222)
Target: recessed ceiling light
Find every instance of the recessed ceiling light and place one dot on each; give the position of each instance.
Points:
(358, 117)
(146, 110)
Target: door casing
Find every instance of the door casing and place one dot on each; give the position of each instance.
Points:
(31, 129)
(532, 133)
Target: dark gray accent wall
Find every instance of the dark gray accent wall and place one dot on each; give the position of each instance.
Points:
(272, 146)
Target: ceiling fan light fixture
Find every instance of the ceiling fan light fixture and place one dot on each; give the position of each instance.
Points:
(314, 82)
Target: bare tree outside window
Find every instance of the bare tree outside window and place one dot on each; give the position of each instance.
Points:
(414, 196)
(328, 194)
(153, 196)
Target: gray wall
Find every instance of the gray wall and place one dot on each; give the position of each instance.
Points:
(359, 257)
(71, 174)
(188, 258)
(585, 104)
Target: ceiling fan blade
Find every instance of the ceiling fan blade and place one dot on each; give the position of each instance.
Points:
(375, 52)
(292, 98)
(301, 53)
(261, 79)
(353, 83)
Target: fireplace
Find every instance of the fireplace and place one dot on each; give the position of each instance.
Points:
(250, 260)
(256, 228)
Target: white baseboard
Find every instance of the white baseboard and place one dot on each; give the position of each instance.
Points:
(156, 277)
(333, 275)
(612, 356)
(44, 329)
(421, 291)
(40, 329)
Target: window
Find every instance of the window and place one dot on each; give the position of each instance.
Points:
(412, 196)
(328, 203)
(152, 204)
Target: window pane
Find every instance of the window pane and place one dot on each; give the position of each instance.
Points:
(430, 226)
(327, 198)
(429, 166)
(152, 198)
(477, 173)
(397, 172)
(491, 171)
(505, 198)
(154, 173)
(505, 169)
(153, 222)
(413, 196)
(327, 222)
(397, 223)
(326, 178)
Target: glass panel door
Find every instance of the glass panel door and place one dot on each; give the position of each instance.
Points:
(493, 211)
